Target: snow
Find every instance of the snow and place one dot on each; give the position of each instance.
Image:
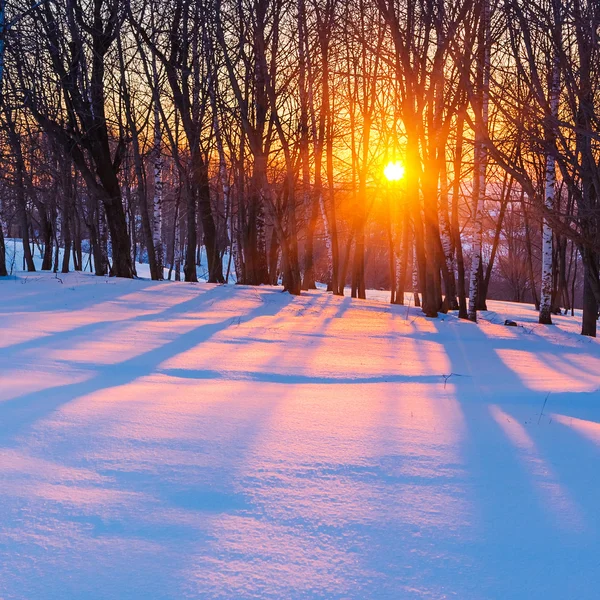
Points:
(173, 440)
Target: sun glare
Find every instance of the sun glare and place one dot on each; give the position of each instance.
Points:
(394, 171)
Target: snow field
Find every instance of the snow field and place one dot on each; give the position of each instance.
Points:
(172, 440)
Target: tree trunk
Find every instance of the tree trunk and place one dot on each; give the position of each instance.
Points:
(590, 303)
(3, 271)
(66, 210)
(545, 316)
(157, 203)
(481, 127)
(274, 259)
(48, 233)
(460, 263)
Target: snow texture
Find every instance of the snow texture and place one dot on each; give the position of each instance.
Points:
(172, 440)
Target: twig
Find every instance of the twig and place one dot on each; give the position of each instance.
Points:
(543, 406)
(446, 377)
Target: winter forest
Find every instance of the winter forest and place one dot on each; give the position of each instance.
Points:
(370, 380)
(258, 133)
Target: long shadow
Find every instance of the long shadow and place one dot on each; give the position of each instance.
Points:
(301, 306)
(297, 379)
(273, 482)
(206, 296)
(230, 491)
(18, 413)
(469, 344)
(516, 510)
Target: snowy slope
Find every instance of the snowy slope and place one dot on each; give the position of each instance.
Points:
(171, 440)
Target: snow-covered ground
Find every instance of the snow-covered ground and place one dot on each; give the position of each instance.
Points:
(172, 440)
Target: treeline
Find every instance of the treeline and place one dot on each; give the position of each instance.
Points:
(258, 132)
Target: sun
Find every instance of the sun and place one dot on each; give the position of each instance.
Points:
(394, 171)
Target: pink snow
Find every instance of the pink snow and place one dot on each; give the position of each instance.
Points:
(171, 440)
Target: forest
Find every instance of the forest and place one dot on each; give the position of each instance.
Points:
(444, 150)
(299, 299)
